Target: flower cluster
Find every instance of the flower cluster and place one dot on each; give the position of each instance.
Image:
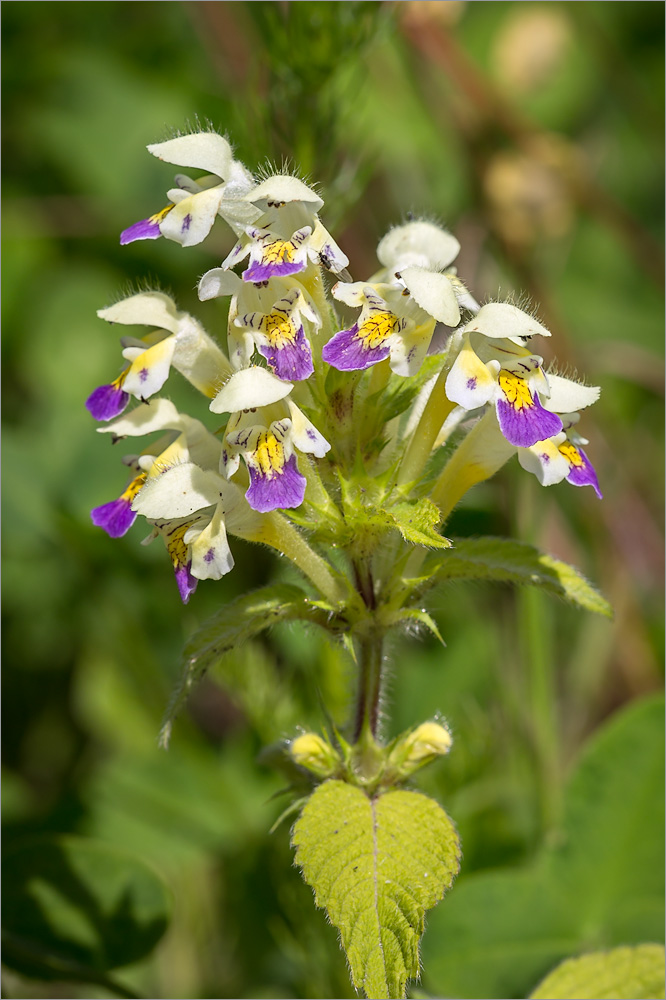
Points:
(311, 388)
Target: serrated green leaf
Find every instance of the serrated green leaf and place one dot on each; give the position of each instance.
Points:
(418, 522)
(508, 561)
(75, 909)
(376, 865)
(236, 622)
(620, 974)
(600, 885)
(418, 615)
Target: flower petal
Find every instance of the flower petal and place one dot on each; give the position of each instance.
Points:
(108, 401)
(581, 470)
(145, 229)
(180, 491)
(501, 319)
(211, 555)
(191, 220)
(567, 396)
(471, 383)
(145, 309)
(304, 434)
(522, 418)
(420, 243)
(150, 369)
(433, 292)
(282, 188)
(249, 388)
(157, 415)
(545, 461)
(202, 150)
(285, 488)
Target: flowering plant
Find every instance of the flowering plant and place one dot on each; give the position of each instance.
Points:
(362, 411)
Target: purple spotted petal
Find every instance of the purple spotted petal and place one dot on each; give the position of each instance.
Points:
(146, 229)
(291, 362)
(526, 425)
(259, 271)
(106, 402)
(115, 517)
(345, 351)
(284, 489)
(584, 475)
(187, 583)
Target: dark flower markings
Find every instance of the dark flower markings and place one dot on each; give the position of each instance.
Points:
(210, 555)
(143, 374)
(471, 383)
(187, 222)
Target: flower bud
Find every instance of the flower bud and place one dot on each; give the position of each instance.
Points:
(316, 755)
(427, 742)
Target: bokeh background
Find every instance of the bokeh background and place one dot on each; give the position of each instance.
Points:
(535, 132)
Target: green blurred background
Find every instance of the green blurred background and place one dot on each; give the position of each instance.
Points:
(535, 132)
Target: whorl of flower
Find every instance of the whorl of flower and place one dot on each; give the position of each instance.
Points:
(311, 426)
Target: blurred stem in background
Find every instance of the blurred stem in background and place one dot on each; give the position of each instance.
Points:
(296, 68)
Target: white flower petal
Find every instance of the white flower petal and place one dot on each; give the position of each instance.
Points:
(211, 555)
(283, 188)
(433, 292)
(157, 415)
(352, 293)
(250, 388)
(201, 150)
(420, 243)
(180, 491)
(501, 319)
(150, 369)
(305, 435)
(190, 222)
(545, 461)
(219, 282)
(567, 396)
(146, 309)
(471, 383)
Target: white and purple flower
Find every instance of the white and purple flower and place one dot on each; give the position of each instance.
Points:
(267, 445)
(194, 205)
(288, 234)
(494, 366)
(181, 342)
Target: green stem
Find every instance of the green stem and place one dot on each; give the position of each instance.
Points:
(369, 695)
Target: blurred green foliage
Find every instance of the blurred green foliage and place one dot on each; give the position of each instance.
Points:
(535, 131)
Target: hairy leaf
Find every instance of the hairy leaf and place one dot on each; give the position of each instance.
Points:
(620, 974)
(416, 615)
(516, 562)
(376, 865)
(417, 523)
(75, 909)
(236, 622)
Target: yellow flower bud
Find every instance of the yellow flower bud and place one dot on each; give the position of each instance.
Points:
(312, 752)
(429, 740)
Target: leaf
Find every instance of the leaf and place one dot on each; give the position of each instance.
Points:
(418, 615)
(376, 865)
(236, 622)
(76, 908)
(601, 886)
(516, 562)
(621, 974)
(418, 522)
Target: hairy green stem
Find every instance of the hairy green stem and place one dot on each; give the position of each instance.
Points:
(366, 723)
